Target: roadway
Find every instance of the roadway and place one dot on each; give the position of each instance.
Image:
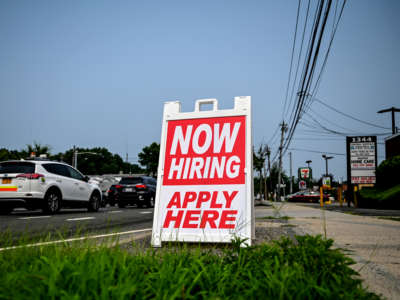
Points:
(34, 225)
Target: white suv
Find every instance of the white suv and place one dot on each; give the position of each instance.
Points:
(45, 184)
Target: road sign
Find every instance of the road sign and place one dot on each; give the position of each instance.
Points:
(302, 185)
(304, 173)
(326, 182)
(205, 179)
(361, 159)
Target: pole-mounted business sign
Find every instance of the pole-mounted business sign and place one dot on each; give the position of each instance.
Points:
(361, 159)
(205, 182)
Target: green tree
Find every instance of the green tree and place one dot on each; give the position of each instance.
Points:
(258, 165)
(98, 161)
(273, 178)
(387, 173)
(6, 154)
(149, 158)
(37, 149)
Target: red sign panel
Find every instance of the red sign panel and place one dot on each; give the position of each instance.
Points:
(206, 151)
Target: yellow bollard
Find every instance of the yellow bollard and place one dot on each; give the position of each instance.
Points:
(321, 196)
(340, 195)
(355, 196)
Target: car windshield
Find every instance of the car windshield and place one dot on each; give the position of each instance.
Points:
(131, 180)
(16, 167)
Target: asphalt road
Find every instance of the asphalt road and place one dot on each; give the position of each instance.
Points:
(71, 222)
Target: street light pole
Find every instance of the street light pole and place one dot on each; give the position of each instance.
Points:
(308, 162)
(326, 163)
(76, 153)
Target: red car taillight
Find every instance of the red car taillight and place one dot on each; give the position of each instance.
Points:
(30, 175)
(141, 186)
(118, 186)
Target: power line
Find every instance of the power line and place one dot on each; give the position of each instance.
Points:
(316, 86)
(315, 151)
(273, 136)
(327, 133)
(299, 57)
(349, 116)
(332, 123)
(307, 59)
(291, 59)
(322, 152)
(306, 81)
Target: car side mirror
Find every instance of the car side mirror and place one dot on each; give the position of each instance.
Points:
(86, 178)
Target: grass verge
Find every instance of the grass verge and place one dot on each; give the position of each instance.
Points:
(377, 198)
(305, 268)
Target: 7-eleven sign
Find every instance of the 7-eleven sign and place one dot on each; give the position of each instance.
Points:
(304, 173)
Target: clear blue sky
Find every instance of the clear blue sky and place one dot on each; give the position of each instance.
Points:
(96, 73)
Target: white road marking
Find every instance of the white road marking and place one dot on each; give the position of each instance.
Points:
(81, 219)
(146, 212)
(77, 239)
(115, 211)
(37, 217)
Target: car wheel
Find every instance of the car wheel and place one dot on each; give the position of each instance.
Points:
(150, 202)
(52, 202)
(94, 203)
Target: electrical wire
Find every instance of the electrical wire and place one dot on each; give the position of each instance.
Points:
(336, 25)
(299, 58)
(326, 120)
(315, 151)
(306, 81)
(291, 59)
(349, 116)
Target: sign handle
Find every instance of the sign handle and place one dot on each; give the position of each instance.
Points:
(199, 102)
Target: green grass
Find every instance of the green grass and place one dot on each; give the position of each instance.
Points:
(307, 268)
(289, 225)
(373, 197)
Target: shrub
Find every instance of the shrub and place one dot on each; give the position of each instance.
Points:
(388, 173)
(307, 268)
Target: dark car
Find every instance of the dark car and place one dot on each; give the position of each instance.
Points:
(133, 190)
(307, 196)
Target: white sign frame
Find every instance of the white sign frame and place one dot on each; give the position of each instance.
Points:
(361, 161)
(172, 112)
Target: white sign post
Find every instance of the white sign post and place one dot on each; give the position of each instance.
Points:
(205, 178)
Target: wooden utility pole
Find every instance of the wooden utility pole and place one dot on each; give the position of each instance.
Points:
(265, 153)
(291, 176)
(268, 151)
(393, 110)
(283, 130)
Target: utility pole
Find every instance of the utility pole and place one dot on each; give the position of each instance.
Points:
(291, 178)
(393, 110)
(283, 130)
(74, 156)
(268, 151)
(265, 153)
